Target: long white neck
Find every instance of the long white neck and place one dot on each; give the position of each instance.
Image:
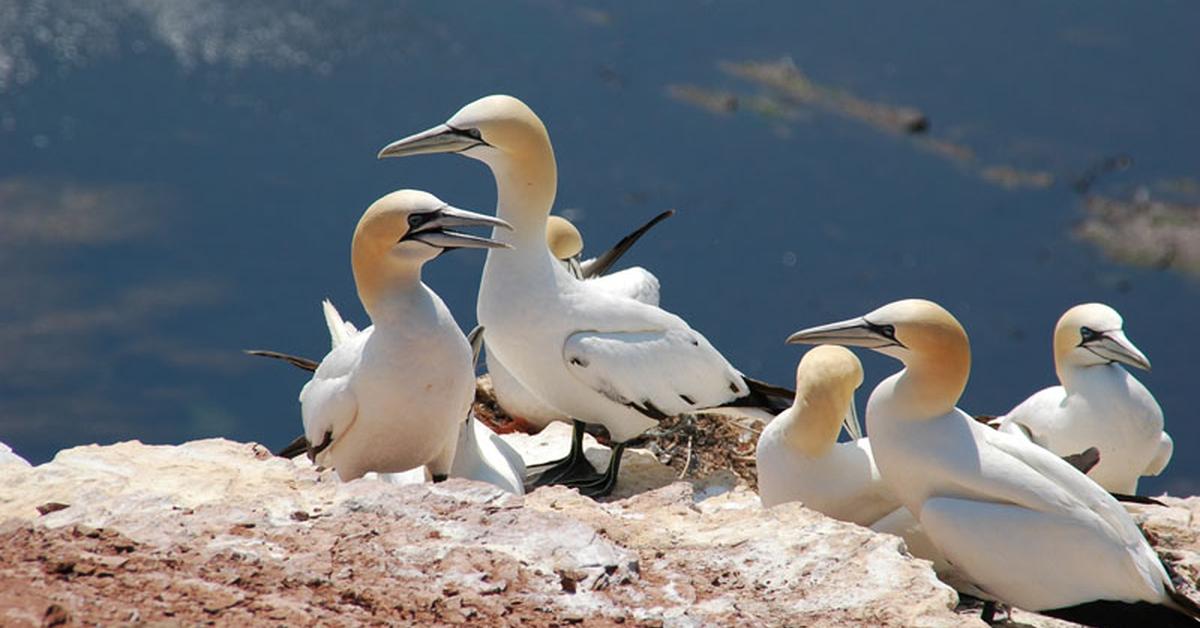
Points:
(525, 190)
(811, 425)
(930, 386)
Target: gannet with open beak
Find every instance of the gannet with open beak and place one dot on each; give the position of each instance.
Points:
(799, 458)
(566, 244)
(391, 397)
(1099, 403)
(588, 353)
(1021, 523)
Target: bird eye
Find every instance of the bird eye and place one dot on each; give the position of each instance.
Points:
(1087, 334)
(888, 331)
(474, 134)
(415, 219)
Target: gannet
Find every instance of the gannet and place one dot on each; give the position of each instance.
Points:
(391, 398)
(479, 455)
(566, 244)
(592, 355)
(799, 458)
(1099, 403)
(1021, 523)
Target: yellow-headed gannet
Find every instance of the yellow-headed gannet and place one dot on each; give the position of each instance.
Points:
(799, 458)
(566, 244)
(480, 455)
(1019, 522)
(1099, 403)
(592, 355)
(392, 397)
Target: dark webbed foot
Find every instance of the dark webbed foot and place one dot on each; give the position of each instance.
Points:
(575, 467)
(602, 485)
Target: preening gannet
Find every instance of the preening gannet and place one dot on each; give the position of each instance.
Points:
(799, 458)
(1019, 522)
(1099, 403)
(480, 455)
(566, 244)
(592, 355)
(391, 397)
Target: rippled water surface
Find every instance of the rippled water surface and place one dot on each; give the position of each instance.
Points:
(179, 180)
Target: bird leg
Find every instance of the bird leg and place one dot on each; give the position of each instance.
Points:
(574, 467)
(602, 486)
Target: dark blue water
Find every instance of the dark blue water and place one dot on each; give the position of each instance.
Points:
(180, 180)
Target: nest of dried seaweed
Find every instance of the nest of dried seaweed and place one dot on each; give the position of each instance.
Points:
(695, 445)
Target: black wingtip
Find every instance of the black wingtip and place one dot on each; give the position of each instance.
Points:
(769, 397)
(606, 260)
(303, 364)
(1136, 499)
(294, 448)
(1105, 613)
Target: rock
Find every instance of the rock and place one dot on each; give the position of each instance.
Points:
(9, 457)
(220, 532)
(216, 531)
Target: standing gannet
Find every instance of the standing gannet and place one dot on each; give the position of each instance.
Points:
(1019, 522)
(592, 355)
(480, 454)
(391, 398)
(566, 244)
(1099, 403)
(799, 458)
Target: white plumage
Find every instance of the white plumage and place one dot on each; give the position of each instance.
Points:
(1098, 404)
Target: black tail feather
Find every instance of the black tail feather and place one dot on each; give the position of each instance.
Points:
(610, 257)
(303, 364)
(768, 397)
(1136, 499)
(1106, 613)
(294, 448)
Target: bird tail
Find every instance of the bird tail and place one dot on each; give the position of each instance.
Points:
(303, 364)
(1111, 613)
(768, 397)
(600, 265)
(1184, 604)
(339, 329)
(294, 448)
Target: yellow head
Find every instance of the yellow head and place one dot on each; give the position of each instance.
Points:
(826, 379)
(1092, 334)
(919, 333)
(563, 238)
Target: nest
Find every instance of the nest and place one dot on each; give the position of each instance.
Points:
(694, 445)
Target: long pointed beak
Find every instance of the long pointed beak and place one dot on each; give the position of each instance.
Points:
(439, 139)
(454, 217)
(851, 423)
(435, 233)
(854, 332)
(1115, 346)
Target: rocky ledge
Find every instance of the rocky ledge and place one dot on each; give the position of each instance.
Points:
(221, 532)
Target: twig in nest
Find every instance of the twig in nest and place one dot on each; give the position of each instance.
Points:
(687, 461)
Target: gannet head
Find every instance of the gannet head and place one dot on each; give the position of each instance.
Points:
(1091, 334)
(563, 238)
(906, 330)
(922, 334)
(411, 226)
(826, 379)
(491, 129)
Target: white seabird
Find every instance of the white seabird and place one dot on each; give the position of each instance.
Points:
(480, 455)
(590, 354)
(1098, 402)
(1021, 523)
(799, 458)
(566, 244)
(391, 398)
